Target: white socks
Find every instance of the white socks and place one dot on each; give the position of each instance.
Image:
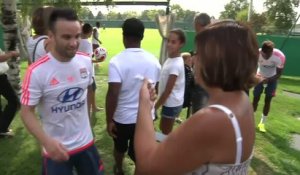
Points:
(263, 119)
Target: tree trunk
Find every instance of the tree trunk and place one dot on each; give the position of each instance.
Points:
(10, 35)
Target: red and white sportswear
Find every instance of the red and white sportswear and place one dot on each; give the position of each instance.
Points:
(59, 89)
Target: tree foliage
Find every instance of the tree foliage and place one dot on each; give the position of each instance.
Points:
(112, 15)
(178, 11)
(85, 13)
(233, 8)
(189, 15)
(259, 22)
(281, 13)
(149, 15)
(242, 15)
(129, 14)
(27, 6)
(100, 15)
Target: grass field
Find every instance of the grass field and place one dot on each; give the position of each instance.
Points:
(272, 155)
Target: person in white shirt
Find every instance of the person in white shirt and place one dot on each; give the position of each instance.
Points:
(86, 46)
(270, 66)
(126, 72)
(171, 82)
(38, 45)
(95, 40)
(59, 83)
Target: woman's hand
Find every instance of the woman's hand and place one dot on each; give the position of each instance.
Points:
(147, 94)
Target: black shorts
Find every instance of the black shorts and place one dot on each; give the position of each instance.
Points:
(125, 139)
(269, 88)
(87, 161)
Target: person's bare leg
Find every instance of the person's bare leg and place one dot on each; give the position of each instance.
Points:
(166, 125)
(267, 105)
(119, 157)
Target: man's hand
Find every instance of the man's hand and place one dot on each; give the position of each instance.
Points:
(260, 78)
(265, 81)
(111, 129)
(56, 150)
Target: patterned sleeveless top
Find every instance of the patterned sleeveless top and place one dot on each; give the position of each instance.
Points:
(238, 168)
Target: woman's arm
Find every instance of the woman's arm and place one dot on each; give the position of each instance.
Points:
(164, 96)
(184, 150)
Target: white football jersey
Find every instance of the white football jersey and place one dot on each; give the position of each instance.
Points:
(59, 89)
(267, 68)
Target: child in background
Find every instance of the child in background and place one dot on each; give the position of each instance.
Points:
(86, 47)
(172, 80)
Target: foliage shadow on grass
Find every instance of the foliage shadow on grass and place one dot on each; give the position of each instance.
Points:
(13, 148)
(283, 144)
(260, 167)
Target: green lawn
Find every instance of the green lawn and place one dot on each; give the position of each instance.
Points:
(272, 155)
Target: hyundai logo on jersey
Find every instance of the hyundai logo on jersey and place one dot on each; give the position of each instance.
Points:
(69, 96)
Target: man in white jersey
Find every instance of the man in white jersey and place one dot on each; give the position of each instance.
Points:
(126, 72)
(270, 65)
(59, 84)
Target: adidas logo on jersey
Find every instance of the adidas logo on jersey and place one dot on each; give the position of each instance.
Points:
(54, 82)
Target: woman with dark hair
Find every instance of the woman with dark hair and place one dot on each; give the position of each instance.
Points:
(38, 44)
(219, 138)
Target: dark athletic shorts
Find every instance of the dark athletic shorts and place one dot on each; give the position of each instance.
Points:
(171, 112)
(270, 89)
(84, 162)
(124, 140)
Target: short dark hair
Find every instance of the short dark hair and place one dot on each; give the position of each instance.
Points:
(87, 28)
(202, 18)
(267, 47)
(40, 18)
(133, 28)
(180, 34)
(62, 13)
(227, 52)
